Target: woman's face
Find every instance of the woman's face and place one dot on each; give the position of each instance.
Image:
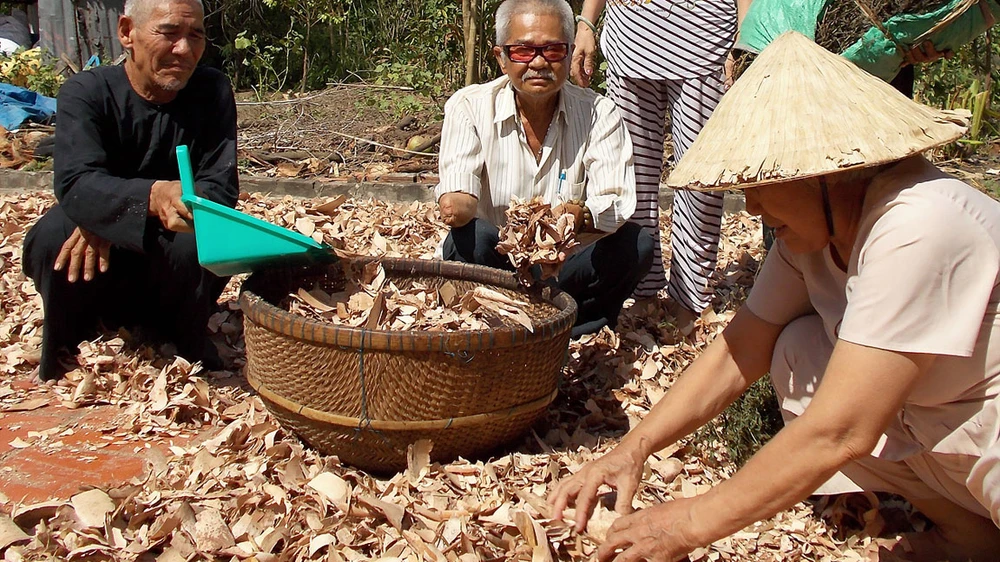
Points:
(794, 210)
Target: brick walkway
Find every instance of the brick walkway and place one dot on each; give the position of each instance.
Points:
(53, 452)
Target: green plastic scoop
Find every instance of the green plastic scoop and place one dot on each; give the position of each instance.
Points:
(231, 242)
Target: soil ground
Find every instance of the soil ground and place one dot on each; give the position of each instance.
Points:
(323, 135)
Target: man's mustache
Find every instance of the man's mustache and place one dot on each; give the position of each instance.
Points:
(546, 74)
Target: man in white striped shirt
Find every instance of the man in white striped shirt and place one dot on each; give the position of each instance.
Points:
(530, 133)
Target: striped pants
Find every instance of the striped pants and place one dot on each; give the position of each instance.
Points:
(694, 235)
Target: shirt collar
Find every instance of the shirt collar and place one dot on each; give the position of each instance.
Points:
(506, 108)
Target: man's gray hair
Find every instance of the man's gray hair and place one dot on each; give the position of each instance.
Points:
(139, 10)
(511, 8)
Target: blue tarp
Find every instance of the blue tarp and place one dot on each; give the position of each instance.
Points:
(18, 105)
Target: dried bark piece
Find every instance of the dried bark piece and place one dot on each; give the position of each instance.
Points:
(10, 533)
(533, 235)
(376, 303)
(92, 507)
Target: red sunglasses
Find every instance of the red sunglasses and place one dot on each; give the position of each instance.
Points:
(552, 52)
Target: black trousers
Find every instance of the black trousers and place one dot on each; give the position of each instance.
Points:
(164, 291)
(599, 277)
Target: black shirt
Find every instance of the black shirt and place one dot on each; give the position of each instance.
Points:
(111, 145)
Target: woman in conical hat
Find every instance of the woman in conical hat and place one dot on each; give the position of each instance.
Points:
(876, 315)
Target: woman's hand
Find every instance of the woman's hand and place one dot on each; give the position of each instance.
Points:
(582, 66)
(926, 52)
(621, 469)
(662, 533)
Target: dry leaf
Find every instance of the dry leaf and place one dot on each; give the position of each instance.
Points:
(27, 405)
(333, 488)
(211, 533)
(314, 301)
(10, 533)
(332, 205)
(92, 507)
(418, 459)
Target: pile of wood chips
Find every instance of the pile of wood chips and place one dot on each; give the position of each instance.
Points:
(361, 228)
(243, 489)
(533, 235)
(373, 301)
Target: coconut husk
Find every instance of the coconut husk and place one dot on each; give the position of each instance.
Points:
(800, 111)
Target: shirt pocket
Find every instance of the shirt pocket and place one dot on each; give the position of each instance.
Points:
(578, 191)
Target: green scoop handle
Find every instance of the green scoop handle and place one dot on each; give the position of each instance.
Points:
(187, 175)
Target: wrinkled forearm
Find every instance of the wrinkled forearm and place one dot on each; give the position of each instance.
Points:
(741, 355)
(862, 390)
(741, 10)
(592, 9)
(784, 472)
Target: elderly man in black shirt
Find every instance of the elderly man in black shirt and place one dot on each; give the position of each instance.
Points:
(118, 247)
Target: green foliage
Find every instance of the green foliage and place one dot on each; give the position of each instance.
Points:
(747, 424)
(407, 74)
(263, 66)
(271, 44)
(961, 83)
(394, 104)
(32, 69)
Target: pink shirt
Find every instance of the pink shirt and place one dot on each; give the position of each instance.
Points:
(922, 278)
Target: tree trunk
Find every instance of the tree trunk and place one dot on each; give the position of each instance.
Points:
(305, 51)
(470, 20)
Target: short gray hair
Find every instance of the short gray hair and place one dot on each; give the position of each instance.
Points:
(139, 10)
(511, 8)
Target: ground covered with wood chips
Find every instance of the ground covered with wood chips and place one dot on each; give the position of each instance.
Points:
(252, 491)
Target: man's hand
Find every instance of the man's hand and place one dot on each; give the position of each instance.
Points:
(457, 208)
(662, 533)
(83, 250)
(165, 203)
(620, 469)
(926, 52)
(582, 66)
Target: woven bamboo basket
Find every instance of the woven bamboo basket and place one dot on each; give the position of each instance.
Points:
(365, 395)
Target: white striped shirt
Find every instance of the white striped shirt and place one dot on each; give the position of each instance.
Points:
(668, 39)
(484, 152)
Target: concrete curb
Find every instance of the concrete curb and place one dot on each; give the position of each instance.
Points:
(417, 188)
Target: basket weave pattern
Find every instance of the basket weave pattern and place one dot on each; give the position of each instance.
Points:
(365, 395)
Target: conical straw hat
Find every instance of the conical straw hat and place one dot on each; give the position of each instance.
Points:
(801, 111)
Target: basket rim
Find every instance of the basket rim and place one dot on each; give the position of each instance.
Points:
(261, 312)
(313, 414)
